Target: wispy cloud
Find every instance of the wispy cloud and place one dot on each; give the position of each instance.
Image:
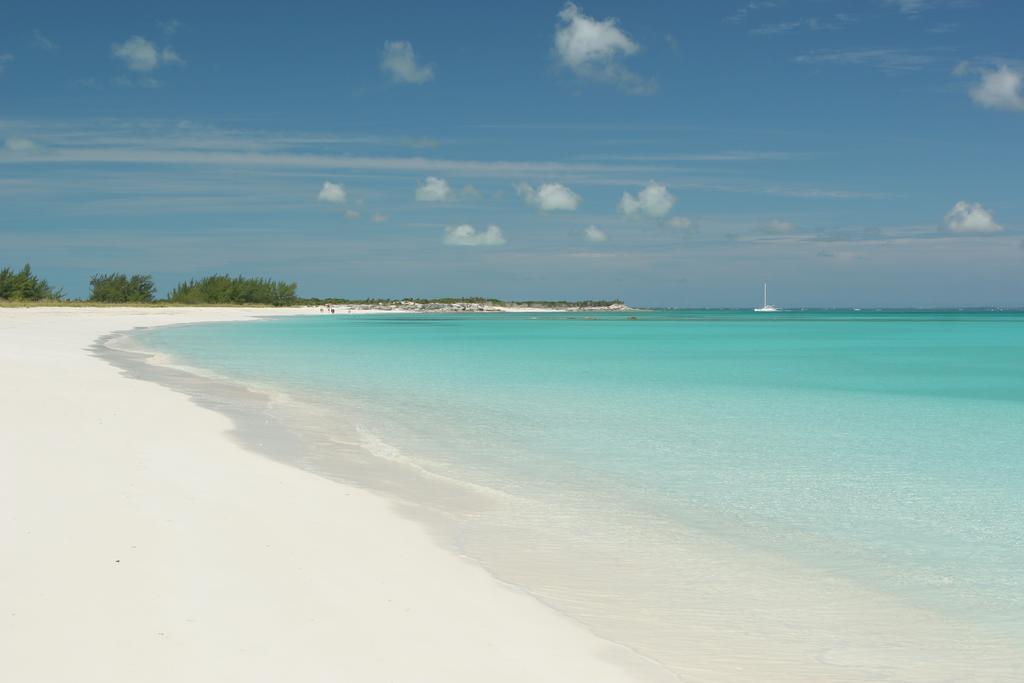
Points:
(170, 27)
(748, 8)
(178, 146)
(168, 143)
(778, 27)
(912, 8)
(16, 144)
(186, 135)
(143, 82)
(807, 24)
(777, 227)
(909, 6)
(349, 162)
(709, 156)
(5, 59)
(891, 60)
(42, 42)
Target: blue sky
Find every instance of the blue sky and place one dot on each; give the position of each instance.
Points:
(670, 153)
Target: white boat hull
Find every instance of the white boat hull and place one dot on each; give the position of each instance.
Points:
(766, 307)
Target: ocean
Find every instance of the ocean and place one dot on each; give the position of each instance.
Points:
(834, 495)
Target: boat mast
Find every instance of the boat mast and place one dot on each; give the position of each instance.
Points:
(766, 295)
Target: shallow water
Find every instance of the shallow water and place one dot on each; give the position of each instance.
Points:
(837, 495)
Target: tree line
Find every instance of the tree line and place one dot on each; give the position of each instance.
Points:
(122, 288)
(24, 285)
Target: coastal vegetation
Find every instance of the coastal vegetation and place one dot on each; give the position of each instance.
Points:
(24, 285)
(118, 288)
(224, 289)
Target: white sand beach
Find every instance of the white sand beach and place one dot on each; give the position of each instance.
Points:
(139, 541)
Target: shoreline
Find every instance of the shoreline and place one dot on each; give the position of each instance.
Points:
(164, 550)
(810, 626)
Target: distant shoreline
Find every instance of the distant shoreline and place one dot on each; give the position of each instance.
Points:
(445, 306)
(474, 306)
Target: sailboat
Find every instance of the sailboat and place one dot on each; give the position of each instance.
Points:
(767, 308)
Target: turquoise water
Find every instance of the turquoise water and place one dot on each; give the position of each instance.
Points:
(884, 448)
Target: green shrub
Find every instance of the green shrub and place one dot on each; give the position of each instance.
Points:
(24, 286)
(224, 289)
(118, 288)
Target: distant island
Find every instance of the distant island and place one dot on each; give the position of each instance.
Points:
(23, 287)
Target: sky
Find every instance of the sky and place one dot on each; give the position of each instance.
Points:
(849, 153)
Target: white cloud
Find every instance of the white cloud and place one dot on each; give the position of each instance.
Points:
(971, 217)
(680, 223)
(5, 59)
(777, 227)
(333, 193)
(399, 60)
(351, 214)
(379, 217)
(434, 190)
(550, 197)
(470, 192)
(19, 145)
(42, 42)
(592, 233)
(139, 54)
(468, 236)
(593, 49)
(654, 200)
(999, 88)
